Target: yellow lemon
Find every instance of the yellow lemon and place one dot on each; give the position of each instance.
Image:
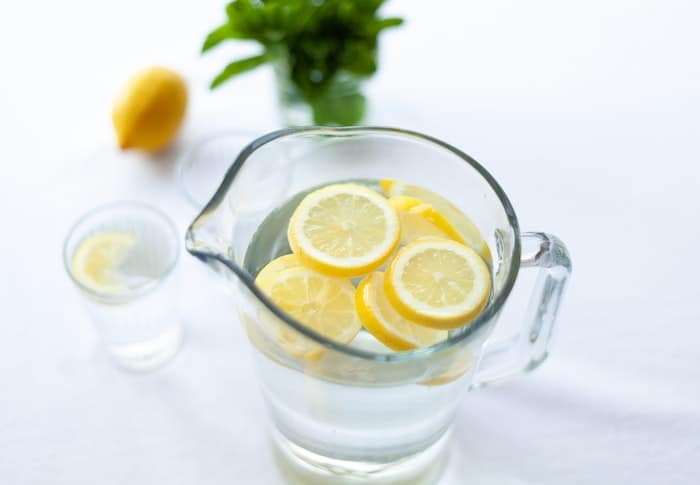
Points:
(419, 219)
(324, 304)
(150, 109)
(438, 283)
(95, 263)
(468, 231)
(277, 265)
(344, 230)
(385, 323)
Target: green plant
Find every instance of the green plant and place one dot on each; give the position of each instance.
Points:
(316, 38)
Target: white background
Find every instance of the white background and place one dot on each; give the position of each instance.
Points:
(588, 113)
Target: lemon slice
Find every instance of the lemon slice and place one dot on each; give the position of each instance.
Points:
(325, 305)
(277, 265)
(438, 283)
(466, 228)
(463, 361)
(419, 219)
(96, 261)
(344, 230)
(385, 323)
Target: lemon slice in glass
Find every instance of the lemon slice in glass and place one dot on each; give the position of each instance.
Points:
(96, 261)
(385, 323)
(438, 283)
(344, 230)
(467, 229)
(324, 304)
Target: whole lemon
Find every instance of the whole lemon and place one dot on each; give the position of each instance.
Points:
(150, 109)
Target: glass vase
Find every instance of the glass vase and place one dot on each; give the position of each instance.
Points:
(342, 104)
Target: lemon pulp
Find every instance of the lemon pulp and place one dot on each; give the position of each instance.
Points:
(438, 283)
(324, 304)
(97, 260)
(344, 230)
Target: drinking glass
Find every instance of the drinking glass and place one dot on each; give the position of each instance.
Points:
(357, 413)
(138, 323)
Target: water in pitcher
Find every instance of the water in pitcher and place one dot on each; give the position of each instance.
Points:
(358, 422)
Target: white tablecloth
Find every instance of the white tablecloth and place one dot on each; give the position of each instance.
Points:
(587, 113)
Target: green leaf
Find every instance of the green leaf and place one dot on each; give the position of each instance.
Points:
(247, 16)
(382, 24)
(238, 67)
(314, 41)
(359, 57)
(218, 35)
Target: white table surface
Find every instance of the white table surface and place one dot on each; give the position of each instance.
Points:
(588, 113)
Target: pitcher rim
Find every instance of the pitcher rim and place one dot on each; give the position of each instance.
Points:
(491, 310)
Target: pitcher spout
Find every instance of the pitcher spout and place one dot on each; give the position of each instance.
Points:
(210, 239)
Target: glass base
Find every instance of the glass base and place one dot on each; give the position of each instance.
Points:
(300, 466)
(148, 355)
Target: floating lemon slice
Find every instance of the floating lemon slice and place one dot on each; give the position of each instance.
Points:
(97, 259)
(438, 283)
(344, 230)
(419, 219)
(325, 305)
(385, 323)
(466, 228)
(277, 265)
(463, 362)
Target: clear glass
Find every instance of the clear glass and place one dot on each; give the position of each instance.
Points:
(343, 103)
(139, 326)
(203, 165)
(355, 413)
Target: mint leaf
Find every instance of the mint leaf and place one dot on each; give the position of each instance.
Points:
(315, 40)
(218, 35)
(238, 67)
(375, 27)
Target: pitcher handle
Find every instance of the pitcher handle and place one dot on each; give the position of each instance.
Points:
(529, 348)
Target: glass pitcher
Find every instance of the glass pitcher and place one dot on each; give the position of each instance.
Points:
(357, 413)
